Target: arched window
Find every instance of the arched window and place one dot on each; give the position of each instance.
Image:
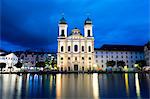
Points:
(89, 58)
(82, 58)
(76, 48)
(75, 58)
(89, 34)
(82, 48)
(62, 33)
(68, 48)
(89, 48)
(62, 48)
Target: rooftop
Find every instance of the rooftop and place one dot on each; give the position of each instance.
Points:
(62, 21)
(88, 21)
(107, 47)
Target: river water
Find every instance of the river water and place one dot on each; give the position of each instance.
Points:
(75, 86)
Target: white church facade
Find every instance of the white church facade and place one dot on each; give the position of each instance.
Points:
(75, 51)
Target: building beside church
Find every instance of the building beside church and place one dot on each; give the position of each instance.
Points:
(147, 53)
(75, 51)
(127, 53)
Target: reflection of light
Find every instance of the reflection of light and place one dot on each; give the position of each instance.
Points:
(51, 81)
(35, 77)
(137, 85)
(27, 82)
(58, 85)
(95, 86)
(19, 86)
(127, 84)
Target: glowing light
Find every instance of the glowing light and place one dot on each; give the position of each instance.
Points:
(135, 65)
(137, 85)
(126, 68)
(95, 86)
(127, 84)
(58, 85)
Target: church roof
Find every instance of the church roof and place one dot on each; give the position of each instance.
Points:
(75, 31)
(62, 21)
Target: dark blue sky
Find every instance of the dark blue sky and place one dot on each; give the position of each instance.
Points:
(34, 23)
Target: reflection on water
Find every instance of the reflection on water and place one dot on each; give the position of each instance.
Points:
(62, 86)
(127, 84)
(137, 85)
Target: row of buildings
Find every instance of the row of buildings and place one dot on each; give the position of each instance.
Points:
(76, 50)
(28, 58)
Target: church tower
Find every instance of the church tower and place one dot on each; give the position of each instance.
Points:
(88, 28)
(75, 51)
(63, 27)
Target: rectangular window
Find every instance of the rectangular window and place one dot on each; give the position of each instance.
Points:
(62, 33)
(82, 48)
(75, 58)
(89, 34)
(68, 48)
(89, 48)
(62, 49)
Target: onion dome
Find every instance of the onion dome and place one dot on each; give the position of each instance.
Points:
(62, 21)
(88, 21)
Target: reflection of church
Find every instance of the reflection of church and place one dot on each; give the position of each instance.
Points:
(75, 51)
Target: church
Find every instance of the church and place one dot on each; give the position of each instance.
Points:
(75, 51)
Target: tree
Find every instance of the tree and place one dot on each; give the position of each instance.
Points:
(121, 63)
(2, 65)
(141, 63)
(51, 63)
(111, 63)
(40, 64)
(18, 65)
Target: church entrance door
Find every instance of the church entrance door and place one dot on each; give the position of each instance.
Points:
(75, 67)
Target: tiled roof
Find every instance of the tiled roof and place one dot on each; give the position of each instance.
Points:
(121, 48)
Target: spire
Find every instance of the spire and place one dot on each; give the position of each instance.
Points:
(88, 21)
(62, 20)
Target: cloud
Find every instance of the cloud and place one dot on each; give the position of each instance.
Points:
(34, 23)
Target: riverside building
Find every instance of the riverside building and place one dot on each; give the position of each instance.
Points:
(127, 53)
(147, 53)
(75, 51)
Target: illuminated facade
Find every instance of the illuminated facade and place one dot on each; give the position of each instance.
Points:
(147, 53)
(75, 51)
(127, 53)
(10, 59)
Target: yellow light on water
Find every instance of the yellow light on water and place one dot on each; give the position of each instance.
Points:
(95, 86)
(137, 85)
(58, 86)
(127, 83)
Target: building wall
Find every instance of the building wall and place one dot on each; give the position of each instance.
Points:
(10, 60)
(147, 55)
(71, 58)
(129, 57)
